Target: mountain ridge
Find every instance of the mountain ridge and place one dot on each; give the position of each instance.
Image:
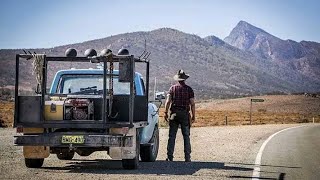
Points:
(217, 69)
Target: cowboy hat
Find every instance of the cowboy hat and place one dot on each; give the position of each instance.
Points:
(181, 76)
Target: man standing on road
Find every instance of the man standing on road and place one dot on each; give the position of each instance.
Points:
(179, 100)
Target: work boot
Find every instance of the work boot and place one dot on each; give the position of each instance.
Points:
(187, 158)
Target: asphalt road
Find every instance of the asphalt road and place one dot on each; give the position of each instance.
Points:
(292, 154)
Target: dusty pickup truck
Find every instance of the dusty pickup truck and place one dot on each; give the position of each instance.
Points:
(88, 110)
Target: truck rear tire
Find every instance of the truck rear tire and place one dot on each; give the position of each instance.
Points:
(150, 153)
(33, 163)
(84, 152)
(65, 155)
(130, 163)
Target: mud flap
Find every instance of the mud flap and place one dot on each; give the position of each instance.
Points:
(119, 153)
(36, 152)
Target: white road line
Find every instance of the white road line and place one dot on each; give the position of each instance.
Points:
(256, 170)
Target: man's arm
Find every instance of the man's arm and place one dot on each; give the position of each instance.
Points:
(193, 110)
(167, 106)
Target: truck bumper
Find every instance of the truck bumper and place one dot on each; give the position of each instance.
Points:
(90, 140)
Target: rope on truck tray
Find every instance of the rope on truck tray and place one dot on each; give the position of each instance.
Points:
(110, 86)
(37, 64)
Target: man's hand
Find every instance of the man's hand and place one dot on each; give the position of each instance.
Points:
(166, 107)
(166, 116)
(193, 119)
(193, 110)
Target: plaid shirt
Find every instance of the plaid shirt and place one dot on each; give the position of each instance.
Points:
(181, 94)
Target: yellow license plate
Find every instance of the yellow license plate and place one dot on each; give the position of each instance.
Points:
(68, 139)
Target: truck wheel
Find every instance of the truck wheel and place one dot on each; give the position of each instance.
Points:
(150, 153)
(83, 152)
(133, 163)
(33, 163)
(130, 163)
(65, 155)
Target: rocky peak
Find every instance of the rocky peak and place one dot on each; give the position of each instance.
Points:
(302, 57)
(250, 38)
(243, 26)
(243, 36)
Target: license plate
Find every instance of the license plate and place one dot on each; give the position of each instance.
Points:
(68, 139)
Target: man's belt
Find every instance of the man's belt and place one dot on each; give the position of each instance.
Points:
(179, 108)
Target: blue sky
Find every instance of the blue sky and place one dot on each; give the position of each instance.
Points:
(49, 23)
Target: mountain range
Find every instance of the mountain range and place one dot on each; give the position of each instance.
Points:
(248, 62)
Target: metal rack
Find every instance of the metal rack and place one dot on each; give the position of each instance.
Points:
(96, 124)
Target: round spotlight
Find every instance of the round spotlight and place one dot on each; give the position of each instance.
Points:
(70, 52)
(105, 52)
(90, 53)
(123, 51)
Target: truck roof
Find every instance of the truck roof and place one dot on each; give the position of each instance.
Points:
(88, 71)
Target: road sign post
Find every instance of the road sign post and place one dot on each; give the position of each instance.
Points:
(313, 120)
(250, 111)
(251, 101)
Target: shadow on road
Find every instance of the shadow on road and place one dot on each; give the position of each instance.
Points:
(281, 177)
(157, 168)
(266, 165)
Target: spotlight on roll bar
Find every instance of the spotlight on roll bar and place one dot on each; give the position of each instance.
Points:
(90, 53)
(105, 52)
(70, 52)
(123, 51)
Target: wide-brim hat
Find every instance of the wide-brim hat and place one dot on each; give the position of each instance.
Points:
(181, 76)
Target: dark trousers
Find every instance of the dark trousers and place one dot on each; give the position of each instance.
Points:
(179, 118)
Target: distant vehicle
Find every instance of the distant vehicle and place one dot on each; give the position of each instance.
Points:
(160, 95)
(88, 110)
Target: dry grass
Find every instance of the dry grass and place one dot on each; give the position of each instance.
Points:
(6, 114)
(282, 109)
(219, 118)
